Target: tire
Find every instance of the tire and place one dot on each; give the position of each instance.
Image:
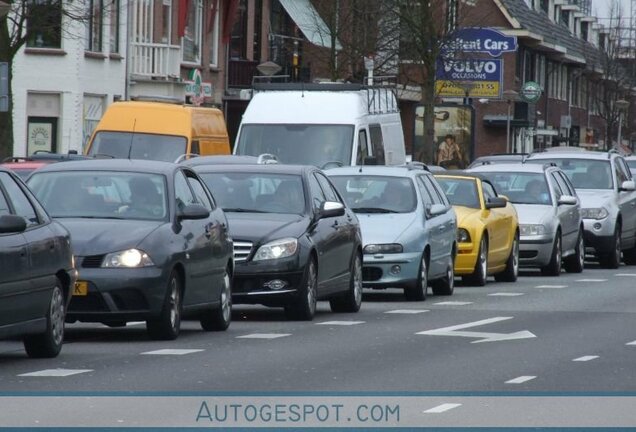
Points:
(511, 272)
(219, 318)
(446, 285)
(553, 268)
(418, 292)
(352, 300)
(480, 274)
(168, 325)
(612, 260)
(576, 263)
(49, 344)
(304, 308)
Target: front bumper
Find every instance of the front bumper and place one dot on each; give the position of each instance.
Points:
(535, 251)
(380, 270)
(119, 295)
(253, 281)
(466, 258)
(599, 234)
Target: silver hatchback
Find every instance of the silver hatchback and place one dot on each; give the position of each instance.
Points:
(550, 224)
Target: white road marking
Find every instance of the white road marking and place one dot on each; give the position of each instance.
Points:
(55, 372)
(591, 280)
(407, 311)
(631, 343)
(551, 286)
(442, 408)
(264, 336)
(169, 351)
(340, 323)
(585, 358)
(453, 303)
(625, 274)
(483, 336)
(506, 294)
(135, 323)
(521, 379)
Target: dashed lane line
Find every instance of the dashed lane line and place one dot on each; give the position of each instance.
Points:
(506, 294)
(264, 336)
(407, 311)
(453, 303)
(631, 343)
(442, 408)
(585, 358)
(521, 379)
(169, 351)
(591, 280)
(340, 323)
(551, 286)
(55, 372)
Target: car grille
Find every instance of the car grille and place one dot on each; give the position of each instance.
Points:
(93, 261)
(242, 250)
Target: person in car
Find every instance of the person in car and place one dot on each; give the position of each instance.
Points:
(537, 192)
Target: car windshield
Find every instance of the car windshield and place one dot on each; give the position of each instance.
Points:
(631, 164)
(128, 145)
(377, 194)
(247, 192)
(521, 188)
(101, 194)
(301, 144)
(584, 173)
(460, 192)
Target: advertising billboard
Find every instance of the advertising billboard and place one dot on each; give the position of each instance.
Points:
(476, 78)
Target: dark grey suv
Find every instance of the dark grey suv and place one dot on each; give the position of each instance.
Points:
(36, 271)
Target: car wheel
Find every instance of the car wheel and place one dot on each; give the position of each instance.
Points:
(219, 318)
(446, 285)
(418, 292)
(168, 324)
(576, 262)
(304, 308)
(553, 268)
(511, 272)
(612, 260)
(49, 343)
(352, 300)
(480, 274)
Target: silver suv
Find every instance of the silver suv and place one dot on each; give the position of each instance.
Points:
(550, 225)
(607, 192)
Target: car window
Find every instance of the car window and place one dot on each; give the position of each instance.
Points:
(460, 192)
(377, 194)
(583, 173)
(565, 181)
(4, 205)
(621, 173)
(20, 202)
(563, 185)
(520, 187)
(625, 167)
(328, 190)
(488, 189)
(182, 192)
(437, 193)
(199, 191)
(556, 186)
(427, 197)
(363, 147)
(375, 132)
(316, 193)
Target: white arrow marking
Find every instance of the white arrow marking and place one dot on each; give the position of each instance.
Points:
(484, 337)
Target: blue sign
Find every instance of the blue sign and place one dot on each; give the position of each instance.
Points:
(482, 40)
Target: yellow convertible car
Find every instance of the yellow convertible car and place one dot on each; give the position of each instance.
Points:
(487, 229)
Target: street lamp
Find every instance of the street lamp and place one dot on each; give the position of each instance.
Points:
(4, 8)
(509, 96)
(621, 106)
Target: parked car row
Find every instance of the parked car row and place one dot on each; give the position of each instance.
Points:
(162, 241)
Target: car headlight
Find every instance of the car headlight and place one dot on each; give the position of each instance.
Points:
(383, 248)
(531, 230)
(277, 249)
(594, 213)
(131, 258)
(463, 236)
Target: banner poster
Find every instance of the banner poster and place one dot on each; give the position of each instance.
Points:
(452, 147)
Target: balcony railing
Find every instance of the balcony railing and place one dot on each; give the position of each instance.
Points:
(155, 60)
(240, 73)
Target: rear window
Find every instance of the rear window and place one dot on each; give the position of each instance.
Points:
(129, 145)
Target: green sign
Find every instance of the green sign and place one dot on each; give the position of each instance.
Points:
(530, 92)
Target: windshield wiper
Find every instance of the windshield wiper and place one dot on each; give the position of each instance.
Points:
(96, 217)
(243, 210)
(372, 210)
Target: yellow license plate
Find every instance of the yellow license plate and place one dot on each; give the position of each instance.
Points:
(81, 288)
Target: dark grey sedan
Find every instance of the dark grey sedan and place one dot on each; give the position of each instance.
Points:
(36, 271)
(149, 241)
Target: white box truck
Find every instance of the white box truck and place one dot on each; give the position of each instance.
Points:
(326, 124)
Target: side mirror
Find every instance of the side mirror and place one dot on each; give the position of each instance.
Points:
(331, 209)
(628, 186)
(12, 224)
(496, 202)
(436, 210)
(193, 212)
(504, 197)
(567, 200)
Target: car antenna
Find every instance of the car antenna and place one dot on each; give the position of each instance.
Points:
(132, 136)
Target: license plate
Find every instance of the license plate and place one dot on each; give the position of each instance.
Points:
(81, 288)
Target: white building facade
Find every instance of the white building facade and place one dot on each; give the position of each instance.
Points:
(65, 76)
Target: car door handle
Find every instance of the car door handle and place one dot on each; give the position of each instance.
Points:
(441, 227)
(335, 225)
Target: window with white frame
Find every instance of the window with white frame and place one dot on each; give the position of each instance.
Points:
(213, 32)
(94, 28)
(191, 40)
(166, 20)
(114, 26)
(44, 24)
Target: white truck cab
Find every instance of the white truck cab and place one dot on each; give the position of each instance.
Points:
(325, 125)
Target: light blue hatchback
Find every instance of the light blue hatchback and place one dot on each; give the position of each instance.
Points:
(408, 227)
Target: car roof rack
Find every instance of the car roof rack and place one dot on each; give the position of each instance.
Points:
(266, 159)
(417, 165)
(185, 156)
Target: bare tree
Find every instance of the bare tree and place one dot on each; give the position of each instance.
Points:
(31, 22)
